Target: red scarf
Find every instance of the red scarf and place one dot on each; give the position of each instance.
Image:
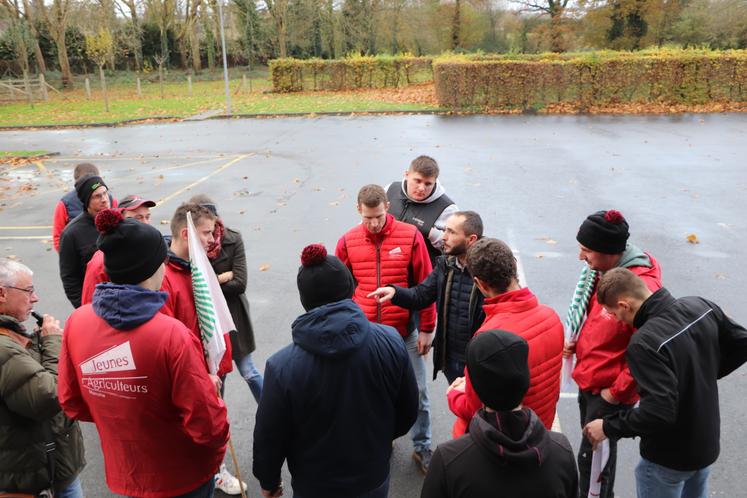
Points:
(214, 248)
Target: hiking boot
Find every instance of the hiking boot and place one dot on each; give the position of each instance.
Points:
(423, 457)
(226, 482)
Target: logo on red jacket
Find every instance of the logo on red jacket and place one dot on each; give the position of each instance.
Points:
(115, 359)
(396, 252)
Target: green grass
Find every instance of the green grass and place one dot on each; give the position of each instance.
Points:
(6, 154)
(72, 107)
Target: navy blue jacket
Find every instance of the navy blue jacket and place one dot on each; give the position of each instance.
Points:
(460, 311)
(332, 403)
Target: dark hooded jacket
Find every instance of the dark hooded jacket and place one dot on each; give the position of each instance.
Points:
(507, 454)
(332, 403)
(77, 245)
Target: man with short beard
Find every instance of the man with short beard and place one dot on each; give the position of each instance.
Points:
(451, 287)
(78, 241)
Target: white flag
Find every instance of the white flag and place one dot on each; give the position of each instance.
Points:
(598, 463)
(212, 310)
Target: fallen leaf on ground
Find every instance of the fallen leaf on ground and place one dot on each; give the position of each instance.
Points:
(264, 267)
(165, 222)
(693, 239)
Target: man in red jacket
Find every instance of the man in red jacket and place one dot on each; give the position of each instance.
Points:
(140, 376)
(180, 303)
(598, 339)
(383, 251)
(132, 206)
(514, 309)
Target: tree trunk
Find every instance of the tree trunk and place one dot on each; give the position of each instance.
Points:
(456, 26)
(103, 87)
(194, 45)
(556, 32)
(282, 36)
(67, 74)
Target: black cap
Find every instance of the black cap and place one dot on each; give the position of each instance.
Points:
(133, 251)
(604, 231)
(322, 279)
(86, 185)
(498, 368)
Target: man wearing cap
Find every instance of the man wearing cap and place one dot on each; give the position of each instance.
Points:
(132, 206)
(679, 351)
(69, 206)
(335, 399)
(140, 376)
(508, 306)
(78, 241)
(31, 422)
(508, 451)
(597, 338)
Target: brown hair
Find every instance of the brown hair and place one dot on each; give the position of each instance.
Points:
(83, 169)
(472, 224)
(179, 220)
(371, 196)
(493, 262)
(619, 282)
(426, 166)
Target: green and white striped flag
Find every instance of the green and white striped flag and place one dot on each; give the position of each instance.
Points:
(212, 311)
(576, 316)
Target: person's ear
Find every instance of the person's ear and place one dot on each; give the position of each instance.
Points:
(386, 206)
(184, 233)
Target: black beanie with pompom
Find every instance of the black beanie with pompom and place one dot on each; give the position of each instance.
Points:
(322, 279)
(133, 251)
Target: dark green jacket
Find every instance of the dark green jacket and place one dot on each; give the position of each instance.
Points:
(28, 401)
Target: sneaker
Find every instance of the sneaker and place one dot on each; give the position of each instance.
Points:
(227, 483)
(423, 457)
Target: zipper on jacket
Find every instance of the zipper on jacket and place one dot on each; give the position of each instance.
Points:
(378, 279)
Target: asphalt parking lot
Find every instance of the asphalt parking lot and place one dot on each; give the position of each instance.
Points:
(285, 183)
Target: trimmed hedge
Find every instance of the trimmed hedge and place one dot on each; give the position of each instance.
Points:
(676, 77)
(294, 75)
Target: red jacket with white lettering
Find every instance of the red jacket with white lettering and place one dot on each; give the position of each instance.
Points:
(95, 274)
(177, 282)
(603, 340)
(395, 256)
(519, 312)
(139, 375)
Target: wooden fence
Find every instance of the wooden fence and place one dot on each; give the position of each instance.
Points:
(26, 89)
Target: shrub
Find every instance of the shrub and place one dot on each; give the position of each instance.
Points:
(663, 76)
(294, 75)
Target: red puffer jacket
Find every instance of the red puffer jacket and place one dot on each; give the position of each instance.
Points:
(177, 282)
(519, 312)
(395, 256)
(602, 342)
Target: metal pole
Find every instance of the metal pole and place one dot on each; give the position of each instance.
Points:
(225, 60)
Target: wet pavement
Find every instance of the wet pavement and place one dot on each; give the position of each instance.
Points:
(285, 183)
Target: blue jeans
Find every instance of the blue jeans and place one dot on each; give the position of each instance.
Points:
(453, 369)
(251, 375)
(421, 431)
(204, 491)
(74, 490)
(656, 481)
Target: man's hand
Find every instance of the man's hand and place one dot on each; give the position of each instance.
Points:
(224, 277)
(383, 294)
(569, 349)
(425, 339)
(216, 380)
(594, 432)
(457, 385)
(608, 397)
(274, 493)
(50, 326)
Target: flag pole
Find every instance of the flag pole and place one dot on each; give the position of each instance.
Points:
(236, 466)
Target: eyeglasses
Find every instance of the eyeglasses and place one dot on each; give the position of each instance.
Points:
(29, 290)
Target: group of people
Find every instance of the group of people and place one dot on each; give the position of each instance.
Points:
(416, 274)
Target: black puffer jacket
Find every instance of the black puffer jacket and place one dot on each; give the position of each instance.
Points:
(29, 410)
(459, 304)
(77, 245)
(504, 454)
